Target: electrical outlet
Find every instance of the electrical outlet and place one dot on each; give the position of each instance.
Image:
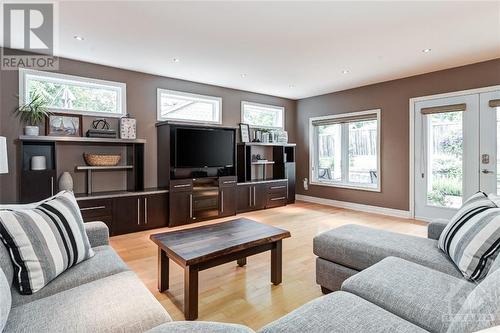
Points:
(306, 184)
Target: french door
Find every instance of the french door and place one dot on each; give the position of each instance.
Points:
(456, 143)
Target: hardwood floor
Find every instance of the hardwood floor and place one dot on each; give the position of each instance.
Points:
(244, 295)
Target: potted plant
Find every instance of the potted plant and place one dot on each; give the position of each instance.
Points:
(33, 113)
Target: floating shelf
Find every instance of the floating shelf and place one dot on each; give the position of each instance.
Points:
(262, 162)
(268, 144)
(114, 167)
(81, 139)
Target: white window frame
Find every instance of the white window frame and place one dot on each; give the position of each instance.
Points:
(161, 91)
(276, 107)
(119, 87)
(313, 152)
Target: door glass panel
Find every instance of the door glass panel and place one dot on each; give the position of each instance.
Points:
(445, 167)
(330, 152)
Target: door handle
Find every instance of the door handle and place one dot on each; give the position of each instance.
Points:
(146, 210)
(138, 211)
(250, 196)
(190, 206)
(486, 171)
(254, 196)
(222, 201)
(182, 185)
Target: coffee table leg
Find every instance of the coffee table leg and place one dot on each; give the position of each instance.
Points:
(190, 293)
(162, 270)
(242, 262)
(276, 263)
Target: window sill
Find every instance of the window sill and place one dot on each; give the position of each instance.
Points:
(347, 186)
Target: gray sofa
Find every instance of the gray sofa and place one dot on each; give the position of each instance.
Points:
(98, 295)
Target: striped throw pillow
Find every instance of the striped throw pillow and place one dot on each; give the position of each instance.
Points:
(472, 237)
(45, 240)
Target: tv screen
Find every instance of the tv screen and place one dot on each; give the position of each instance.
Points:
(203, 147)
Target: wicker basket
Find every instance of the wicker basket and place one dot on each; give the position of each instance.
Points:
(101, 160)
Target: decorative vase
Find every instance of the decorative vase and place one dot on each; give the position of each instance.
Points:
(38, 163)
(32, 130)
(66, 182)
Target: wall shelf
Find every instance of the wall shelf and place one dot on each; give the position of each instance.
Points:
(114, 167)
(262, 162)
(271, 144)
(82, 139)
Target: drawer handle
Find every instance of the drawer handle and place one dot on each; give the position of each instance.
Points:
(277, 187)
(229, 182)
(182, 185)
(280, 198)
(92, 208)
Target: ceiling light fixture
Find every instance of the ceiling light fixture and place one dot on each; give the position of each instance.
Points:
(345, 71)
(426, 50)
(243, 76)
(80, 38)
(176, 60)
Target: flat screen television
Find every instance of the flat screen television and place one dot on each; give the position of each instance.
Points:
(204, 147)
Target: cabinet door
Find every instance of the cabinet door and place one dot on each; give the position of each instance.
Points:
(245, 198)
(127, 215)
(156, 210)
(259, 196)
(37, 185)
(228, 201)
(181, 208)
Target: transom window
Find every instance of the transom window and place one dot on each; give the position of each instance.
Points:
(74, 94)
(345, 150)
(262, 115)
(177, 105)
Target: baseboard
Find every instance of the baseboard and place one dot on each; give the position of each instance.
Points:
(355, 206)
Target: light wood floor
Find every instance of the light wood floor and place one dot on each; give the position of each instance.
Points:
(245, 295)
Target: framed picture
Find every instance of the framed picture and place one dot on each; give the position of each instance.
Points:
(58, 124)
(244, 132)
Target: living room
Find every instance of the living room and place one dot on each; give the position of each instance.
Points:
(185, 167)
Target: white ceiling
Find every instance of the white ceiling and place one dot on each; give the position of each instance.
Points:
(288, 49)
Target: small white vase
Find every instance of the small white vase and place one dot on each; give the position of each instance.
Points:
(66, 182)
(32, 130)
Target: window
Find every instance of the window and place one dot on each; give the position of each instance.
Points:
(176, 105)
(262, 116)
(345, 150)
(74, 94)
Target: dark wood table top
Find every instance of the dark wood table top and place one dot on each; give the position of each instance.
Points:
(199, 244)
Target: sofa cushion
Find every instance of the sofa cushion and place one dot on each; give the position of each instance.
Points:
(359, 247)
(104, 263)
(199, 326)
(5, 299)
(44, 241)
(117, 303)
(340, 312)
(421, 295)
(481, 308)
(472, 238)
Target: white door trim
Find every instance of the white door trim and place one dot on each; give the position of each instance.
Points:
(412, 102)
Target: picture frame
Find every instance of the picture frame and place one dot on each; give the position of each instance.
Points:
(62, 124)
(244, 132)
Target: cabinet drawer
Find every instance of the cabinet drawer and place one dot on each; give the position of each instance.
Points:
(95, 208)
(280, 187)
(276, 199)
(228, 181)
(181, 185)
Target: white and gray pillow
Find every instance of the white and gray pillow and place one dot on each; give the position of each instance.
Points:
(472, 237)
(45, 240)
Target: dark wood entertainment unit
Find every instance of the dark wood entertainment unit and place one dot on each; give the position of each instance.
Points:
(197, 194)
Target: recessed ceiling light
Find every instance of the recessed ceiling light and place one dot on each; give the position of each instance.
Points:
(80, 38)
(345, 71)
(176, 60)
(426, 50)
(243, 76)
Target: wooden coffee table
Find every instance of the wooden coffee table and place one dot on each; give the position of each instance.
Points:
(199, 248)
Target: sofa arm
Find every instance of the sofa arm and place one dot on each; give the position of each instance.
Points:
(435, 228)
(98, 233)
(199, 326)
